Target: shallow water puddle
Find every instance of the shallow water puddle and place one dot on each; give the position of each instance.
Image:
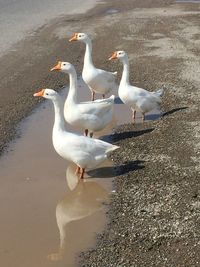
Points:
(111, 11)
(48, 216)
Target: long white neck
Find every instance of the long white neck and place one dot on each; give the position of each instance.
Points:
(125, 74)
(59, 123)
(72, 94)
(88, 54)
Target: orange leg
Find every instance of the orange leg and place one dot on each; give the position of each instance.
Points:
(82, 173)
(78, 170)
(133, 116)
(143, 117)
(93, 93)
(86, 132)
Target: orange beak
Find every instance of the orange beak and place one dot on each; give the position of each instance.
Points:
(114, 56)
(40, 93)
(74, 37)
(57, 67)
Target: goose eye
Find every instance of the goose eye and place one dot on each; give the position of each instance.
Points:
(64, 64)
(47, 94)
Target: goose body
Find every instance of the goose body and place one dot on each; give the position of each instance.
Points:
(98, 80)
(137, 98)
(92, 115)
(85, 152)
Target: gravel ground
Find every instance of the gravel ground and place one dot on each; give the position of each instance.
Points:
(154, 214)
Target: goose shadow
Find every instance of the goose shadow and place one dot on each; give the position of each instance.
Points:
(113, 171)
(118, 101)
(124, 135)
(153, 116)
(167, 113)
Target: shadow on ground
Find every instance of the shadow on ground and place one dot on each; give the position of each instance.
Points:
(112, 171)
(118, 101)
(167, 113)
(152, 117)
(124, 135)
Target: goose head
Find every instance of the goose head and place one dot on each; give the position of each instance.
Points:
(118, 55)
(79, 36)
(63, 66)
(47, 93)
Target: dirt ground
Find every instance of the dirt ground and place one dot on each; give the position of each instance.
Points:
(154, 214)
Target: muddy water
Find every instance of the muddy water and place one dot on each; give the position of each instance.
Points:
(47, 215)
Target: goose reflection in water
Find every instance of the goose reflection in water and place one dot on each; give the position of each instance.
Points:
(83, 200)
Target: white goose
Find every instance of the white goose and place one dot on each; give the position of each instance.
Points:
(98, 80)
(137, 98)
(84, 151)
(91, 116)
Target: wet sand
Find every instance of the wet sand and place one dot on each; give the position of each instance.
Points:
(162, 41)
(19, 19)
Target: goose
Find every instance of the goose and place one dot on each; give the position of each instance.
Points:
(85, 152)
(137, 98)
(98, 80)
(92, 116)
